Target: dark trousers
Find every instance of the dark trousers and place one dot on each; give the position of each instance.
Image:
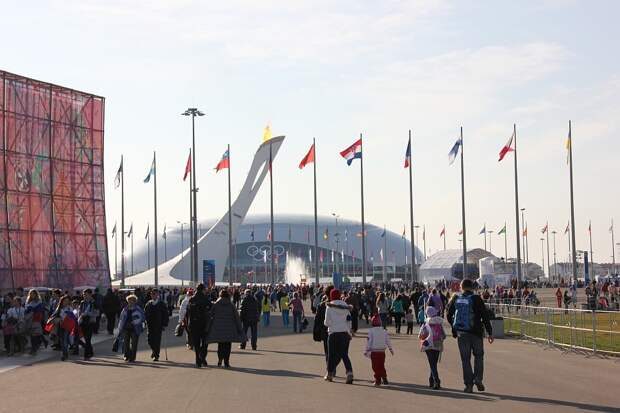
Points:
(130, 345)
(199, 339)
(397, 321)
(409, 327)
(338, 349)
(87, 330)
(253, 327)
(154, 339)
(35, 343)
(326, 351)
(297, 321)
(223, 353)
(64, 339)
(354, 320)
(433, 359)
(377, 359)
(111, 317)
(471, 344)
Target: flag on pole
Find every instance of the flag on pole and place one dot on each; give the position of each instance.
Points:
(383, 233)
(164, 234)
(267, 133)
(404, 229)
(252, 234)
(151, 171)
(269, 236)
(342, 255)
(502, 231)
(188, 166)
(443, 232)
(381, 254)
(117, 178)
(507, 148)
(308, 158)
(423, 234)
(353, 152)
(224, 162)
(265, 256)
(147, 231)
(130, 233)
(332, 255)
(360, 235)
(483, 230)
(310, 254)
(568, 145)
(326, 234)
(611, 229)
(321, 256)
(114, 231)
(525, 231)
(461, 232)
(567, 228)
(346, 235)
(454, 152)
(545, 229)
(590, 228)
(408, 155)
(289, 233)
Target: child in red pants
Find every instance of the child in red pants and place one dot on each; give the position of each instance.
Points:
(378, 341)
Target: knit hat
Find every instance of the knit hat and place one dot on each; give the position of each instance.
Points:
(431, 311)
(334, 295)
(376, 321)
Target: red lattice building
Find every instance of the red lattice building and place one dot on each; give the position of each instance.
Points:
(52, 205)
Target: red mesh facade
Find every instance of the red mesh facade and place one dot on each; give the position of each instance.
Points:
(52, 206)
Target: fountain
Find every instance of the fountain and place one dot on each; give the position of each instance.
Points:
(295, 270)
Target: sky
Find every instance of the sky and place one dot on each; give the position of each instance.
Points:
(332, 70)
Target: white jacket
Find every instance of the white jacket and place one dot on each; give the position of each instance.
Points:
(336, 315)
(378, 340)
(183, 307)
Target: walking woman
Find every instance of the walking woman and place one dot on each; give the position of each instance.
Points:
(224, 328)
(130, 327)
(383, 309)
(34, 315)
(319, 331)
(266, 307)
(67, 321)
(337, 321)
(398, 311)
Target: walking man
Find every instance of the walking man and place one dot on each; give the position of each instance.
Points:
(249, 318)
(198, 314)
(156, 314)
(466, 314)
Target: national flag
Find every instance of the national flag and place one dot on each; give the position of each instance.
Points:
(252, 234)
(502, 231)
(461, 232)
(404, 228)
(321, 256)
(147, 231)
(567, 228)
(289, 233)
(545, 229)
(454, 152)
(353, 152)
(353, 253)
(164, 234)
(326, 234)
(265, 256)
(151, 171)
(443, 232)
(424, 234)
(360, 235)
(611, 229)
(381, 254)
(69, 323)
(408, 155)
(269, 236)
(483, 230)
(332, 255)
(590, 228)
(114, 231)
(224, 162)
(267, 133)
(130, 233)
(117, 179)
(525, 231)
(308, 235)
(383, 233)
(188, 166)
(310, 254)
(308, 158)
(507, 148)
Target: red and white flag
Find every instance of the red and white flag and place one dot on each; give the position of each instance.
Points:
(567, 228)
(188, 166)
(544, 230)
(308, 158)
(443, 232)
(507, 148)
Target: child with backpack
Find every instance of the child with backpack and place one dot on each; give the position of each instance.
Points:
(378, 340)
(431, 338)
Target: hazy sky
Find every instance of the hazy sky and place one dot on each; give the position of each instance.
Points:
(333, 69)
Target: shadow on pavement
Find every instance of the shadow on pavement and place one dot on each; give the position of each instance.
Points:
(275, 373)
(564, 403)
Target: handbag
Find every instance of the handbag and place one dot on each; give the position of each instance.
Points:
(304, 323)
(178, 330)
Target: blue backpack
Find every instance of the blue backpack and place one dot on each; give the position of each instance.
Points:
(464, 313)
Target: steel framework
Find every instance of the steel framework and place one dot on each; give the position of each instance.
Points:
(52, 204)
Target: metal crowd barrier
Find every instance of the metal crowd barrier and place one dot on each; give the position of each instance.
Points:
(574, 330)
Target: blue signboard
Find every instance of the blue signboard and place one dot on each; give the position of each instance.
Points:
(208, 272)
(337, 280)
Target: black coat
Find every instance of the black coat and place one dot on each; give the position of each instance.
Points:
(111, 303)
(156, 315)
(198, 312)
(224, 325)
(319, 331)
(249, 309)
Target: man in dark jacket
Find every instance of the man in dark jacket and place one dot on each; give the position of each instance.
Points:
(197, 315)
(249, 318)
(467, 314)
(156, 315)
(319, 332)
(111, 309)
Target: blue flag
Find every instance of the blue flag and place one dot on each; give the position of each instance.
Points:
(454, 152)
(151, 172)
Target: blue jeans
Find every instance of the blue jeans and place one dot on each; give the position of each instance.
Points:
(296, 321)
(285, 318)
(64, 337)
(265, 319)
(471, 344)
(384, 319)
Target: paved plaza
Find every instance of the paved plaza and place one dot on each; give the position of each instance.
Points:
(286, 374)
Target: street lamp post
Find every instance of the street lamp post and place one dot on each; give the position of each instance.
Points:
(193, 112)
